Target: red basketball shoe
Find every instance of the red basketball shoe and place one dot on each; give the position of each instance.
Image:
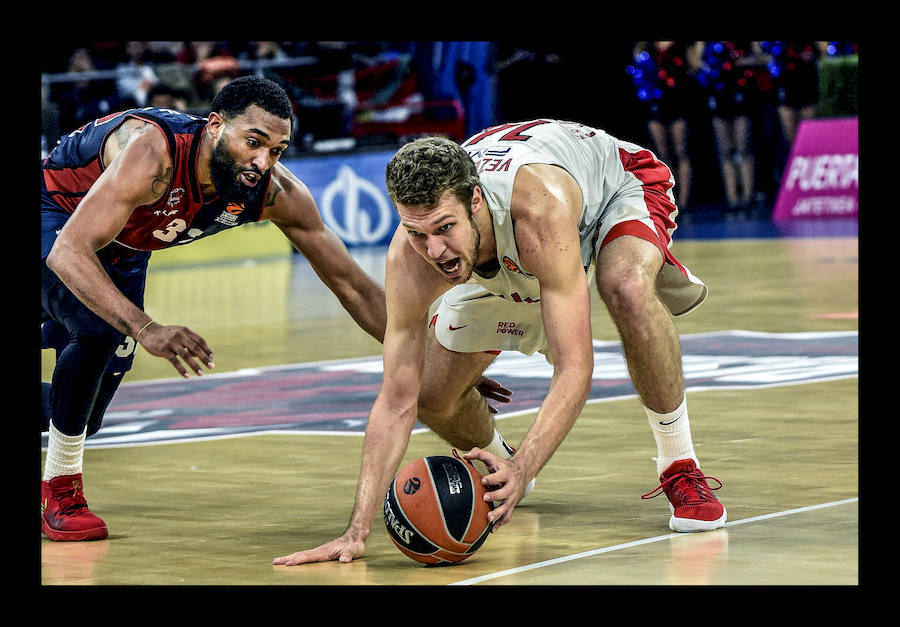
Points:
(694, 508)
(65, 516)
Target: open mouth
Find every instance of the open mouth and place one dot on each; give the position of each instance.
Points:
(248, 178)
(450, 267)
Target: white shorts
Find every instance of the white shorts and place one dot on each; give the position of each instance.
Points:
(468, 319)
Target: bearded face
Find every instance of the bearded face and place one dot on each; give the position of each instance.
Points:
(228, 176)
(446, 236)
(245, 147)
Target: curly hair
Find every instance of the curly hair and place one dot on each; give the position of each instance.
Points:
(424, 169)
(234, 98)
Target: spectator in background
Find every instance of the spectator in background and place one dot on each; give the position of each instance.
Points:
(269, 50)
(136, 75)
(167, 97)
(79, 102)
(663, 75)
(214, 67)
(795, 71)
(461, 71)
(735, 75)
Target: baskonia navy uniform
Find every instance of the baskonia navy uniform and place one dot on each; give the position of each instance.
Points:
(92, 356)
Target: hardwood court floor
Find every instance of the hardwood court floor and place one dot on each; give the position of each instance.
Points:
(216, 512)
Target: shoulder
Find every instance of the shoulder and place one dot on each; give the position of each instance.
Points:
(545, 210)
(137, 164)
(136, 139)
(542, 193)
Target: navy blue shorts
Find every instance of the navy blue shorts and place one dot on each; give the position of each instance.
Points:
(60, 309)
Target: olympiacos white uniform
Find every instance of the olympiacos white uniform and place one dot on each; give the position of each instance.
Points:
(625, 190)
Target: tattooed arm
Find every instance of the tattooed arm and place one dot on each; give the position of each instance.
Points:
(291, 206)
(138, 171)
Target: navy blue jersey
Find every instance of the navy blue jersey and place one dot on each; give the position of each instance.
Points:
(180, 215)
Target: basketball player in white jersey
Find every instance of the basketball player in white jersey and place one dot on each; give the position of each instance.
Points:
(495, 249)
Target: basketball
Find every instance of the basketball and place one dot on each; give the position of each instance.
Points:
(435, 512)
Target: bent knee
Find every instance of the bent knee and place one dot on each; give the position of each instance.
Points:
(626, 291)
(435, 404)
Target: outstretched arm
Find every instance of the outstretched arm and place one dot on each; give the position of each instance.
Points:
(546, 208)
(411, 286)
(291, 206)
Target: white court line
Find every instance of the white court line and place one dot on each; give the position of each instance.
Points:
(627, 545)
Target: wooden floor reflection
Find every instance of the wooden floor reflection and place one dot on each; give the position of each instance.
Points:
(215, 513)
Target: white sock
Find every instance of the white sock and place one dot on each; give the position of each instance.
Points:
(64, 454)
(498, 446)
(672, 432)
(501, 449)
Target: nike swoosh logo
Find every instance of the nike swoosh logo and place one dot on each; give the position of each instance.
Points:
(453, 328)
(670, 422)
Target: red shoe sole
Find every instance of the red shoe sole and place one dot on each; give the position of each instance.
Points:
(97, 533)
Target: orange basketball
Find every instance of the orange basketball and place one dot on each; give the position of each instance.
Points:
(435, 512)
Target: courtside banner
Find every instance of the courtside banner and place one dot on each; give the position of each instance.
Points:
(821, 179)
(351, 194)
(335, 397)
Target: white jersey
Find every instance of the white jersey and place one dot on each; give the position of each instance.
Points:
(590, 155)
(625, 191)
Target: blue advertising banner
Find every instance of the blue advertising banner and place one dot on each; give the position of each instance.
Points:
(350, 192)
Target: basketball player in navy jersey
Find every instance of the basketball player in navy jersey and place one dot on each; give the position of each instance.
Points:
(138, 181)
(496, 243)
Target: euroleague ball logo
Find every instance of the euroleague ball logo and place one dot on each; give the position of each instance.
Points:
(411, 485)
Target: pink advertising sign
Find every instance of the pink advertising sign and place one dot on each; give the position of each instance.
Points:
(821, 179)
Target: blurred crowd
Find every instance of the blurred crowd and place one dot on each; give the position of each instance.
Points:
(371, 92)
(739, 101)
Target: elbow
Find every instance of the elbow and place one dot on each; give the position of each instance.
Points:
(586, 382)
(67, 254)
(56, 257)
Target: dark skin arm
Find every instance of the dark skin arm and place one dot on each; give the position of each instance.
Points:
(138, 172)
(290, 206)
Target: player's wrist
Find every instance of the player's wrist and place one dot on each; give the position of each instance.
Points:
(358, 532)
(137, 336)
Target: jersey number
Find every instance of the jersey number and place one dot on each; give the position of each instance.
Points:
(172, 230)
(515, 133)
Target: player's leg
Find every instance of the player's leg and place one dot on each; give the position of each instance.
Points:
(55, 336)
(449, 401)
(453, 408)
(80, 367)
(626, 273)
(91, 359)
(627, 268)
